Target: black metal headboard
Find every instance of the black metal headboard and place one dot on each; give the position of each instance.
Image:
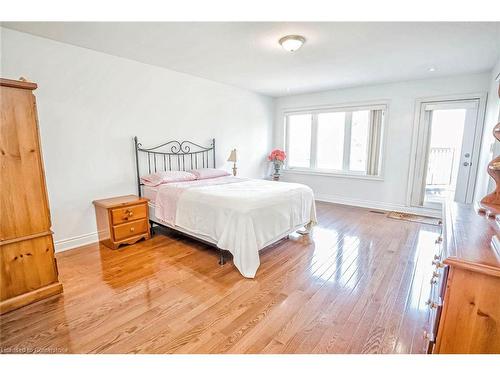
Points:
(173, 156)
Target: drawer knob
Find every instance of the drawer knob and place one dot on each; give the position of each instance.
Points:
(132, 229)
(434, 305)
(437, 263)
(129, 212)
(434, 280)
(437, 257)
(428, 336)
(439, 239)
(435, 274)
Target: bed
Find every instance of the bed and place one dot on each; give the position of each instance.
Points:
(240, 215)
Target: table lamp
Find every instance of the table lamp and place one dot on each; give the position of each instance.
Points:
(233, 158)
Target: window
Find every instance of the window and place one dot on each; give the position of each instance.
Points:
(299, 139)
(341, 140)
(330, 140)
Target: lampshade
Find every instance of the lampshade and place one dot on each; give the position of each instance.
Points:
(232, 156)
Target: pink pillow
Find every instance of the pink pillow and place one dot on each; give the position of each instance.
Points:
(158, 178)
(204, 173)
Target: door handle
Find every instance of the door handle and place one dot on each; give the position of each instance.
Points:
(466, 164)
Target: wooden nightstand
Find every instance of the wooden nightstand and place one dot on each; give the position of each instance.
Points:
(122, 220)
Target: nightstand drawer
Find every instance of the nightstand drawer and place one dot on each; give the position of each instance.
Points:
(134, 228)
(126, 214)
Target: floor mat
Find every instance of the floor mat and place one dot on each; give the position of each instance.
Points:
(411, 217)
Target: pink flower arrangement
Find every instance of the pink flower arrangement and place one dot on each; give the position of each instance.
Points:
(277, 155)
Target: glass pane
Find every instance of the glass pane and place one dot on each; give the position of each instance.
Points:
(299, 140)
(359, 140)
(447, 130)
(330, 140)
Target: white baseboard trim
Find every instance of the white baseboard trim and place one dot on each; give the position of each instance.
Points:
(378, 205)
(72, 242)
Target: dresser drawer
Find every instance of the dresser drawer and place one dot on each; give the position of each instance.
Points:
(134, 228)
(126, 214)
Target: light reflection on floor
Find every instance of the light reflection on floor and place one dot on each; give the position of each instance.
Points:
(416, 309)
(334, 255)
(423, 271)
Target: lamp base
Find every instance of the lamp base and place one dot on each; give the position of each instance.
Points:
(234, 169)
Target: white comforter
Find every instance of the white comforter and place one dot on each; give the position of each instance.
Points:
(239, 215)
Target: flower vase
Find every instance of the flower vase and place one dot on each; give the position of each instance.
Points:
(276, 175)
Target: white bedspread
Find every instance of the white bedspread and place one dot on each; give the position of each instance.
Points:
(240, 215)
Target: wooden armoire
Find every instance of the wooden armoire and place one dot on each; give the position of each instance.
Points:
(28, 268)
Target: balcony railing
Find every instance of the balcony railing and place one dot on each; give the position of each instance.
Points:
(440, 166)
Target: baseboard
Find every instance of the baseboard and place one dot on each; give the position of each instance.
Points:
(377, 205)
(72, 242)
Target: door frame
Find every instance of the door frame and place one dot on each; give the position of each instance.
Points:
(418, 123)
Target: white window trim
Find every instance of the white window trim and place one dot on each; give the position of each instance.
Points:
(346, 107)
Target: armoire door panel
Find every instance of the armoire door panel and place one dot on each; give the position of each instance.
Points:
(24, 208)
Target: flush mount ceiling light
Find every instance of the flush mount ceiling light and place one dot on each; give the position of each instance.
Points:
(292, 43)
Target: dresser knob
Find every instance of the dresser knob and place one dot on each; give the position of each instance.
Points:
(435, 274)
(132, 229)
(428, 336)
(428, 302)
(437, 263)
(434, 305)
(437, 257)
(439, 239)
(434, 280)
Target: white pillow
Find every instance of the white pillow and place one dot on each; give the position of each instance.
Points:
(165, 177)
(204, 173)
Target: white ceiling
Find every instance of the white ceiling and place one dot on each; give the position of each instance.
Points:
(247, 54)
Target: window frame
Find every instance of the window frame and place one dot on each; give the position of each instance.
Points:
(348, 108)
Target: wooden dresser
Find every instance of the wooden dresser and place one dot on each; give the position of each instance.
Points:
(28, 268)
(122, 220)
(464, 302)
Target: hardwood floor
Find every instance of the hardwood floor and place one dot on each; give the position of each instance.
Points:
(356, 285)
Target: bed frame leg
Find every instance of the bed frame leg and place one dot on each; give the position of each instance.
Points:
(221, 258)
(151, 228)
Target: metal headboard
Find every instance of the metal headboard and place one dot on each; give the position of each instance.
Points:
(173, 156)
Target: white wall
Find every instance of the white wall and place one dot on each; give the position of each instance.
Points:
(485, 183)
(90, 106)
(391, 192)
